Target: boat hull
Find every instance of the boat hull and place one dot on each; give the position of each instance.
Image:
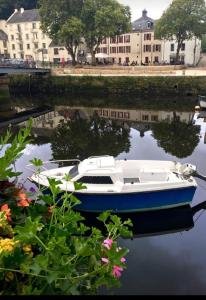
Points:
(132, 202)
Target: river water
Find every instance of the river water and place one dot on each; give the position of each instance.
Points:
(167, 253)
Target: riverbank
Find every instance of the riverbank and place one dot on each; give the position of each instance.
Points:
(139, 86)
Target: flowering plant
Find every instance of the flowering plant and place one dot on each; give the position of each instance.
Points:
(46, 248)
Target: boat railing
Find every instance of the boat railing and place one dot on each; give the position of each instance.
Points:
(29, 166)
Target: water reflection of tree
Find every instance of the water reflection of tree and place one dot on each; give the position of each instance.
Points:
(83, 138)
(177, 138)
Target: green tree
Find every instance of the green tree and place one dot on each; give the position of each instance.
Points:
(61, 21)
(176, 138)
(103, 19)
(7, 6)
(183, 20)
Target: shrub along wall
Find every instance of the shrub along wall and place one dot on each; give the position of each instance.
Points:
(101, 86)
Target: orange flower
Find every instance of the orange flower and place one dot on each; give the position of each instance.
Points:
(22, 196)
(23, 203)
(6, 208)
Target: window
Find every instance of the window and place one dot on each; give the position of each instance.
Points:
(145, 118)
(27, 36)
(149, 25)
(28, 46)
(44, 45)
(33, 25)
(13, 46)
(113, 50)
(113, 40)
(56, 51)
(154, 118)
(104, 50)
(18, 27)
(104, 41)
(96, 180)
(120, 115)
(121, 49)
(172, 47)
(12, 37)
(147, 37)
(35, 35)
(105, 113)
(120, 39)
(126, 115)
(127, 39)
(183, 47)
(14, 55)
(157, 48)
(113, 114)
(21, 46)
(74, 172)
(36, 45)
(147, 48)
(156, 59)
(5, 44)
(128, 49)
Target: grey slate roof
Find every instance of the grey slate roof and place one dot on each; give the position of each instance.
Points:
(3, 36)
(31, 15)
(143, 23)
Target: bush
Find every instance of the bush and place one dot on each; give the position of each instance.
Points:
(45, 248)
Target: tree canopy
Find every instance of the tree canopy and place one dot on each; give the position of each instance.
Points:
(176, 138)
(71, 20)
(103, 19)
(63, 22)
(86, 137)
(183, 20)
(7, 6)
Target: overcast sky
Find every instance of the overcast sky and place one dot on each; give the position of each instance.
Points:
(155, 8)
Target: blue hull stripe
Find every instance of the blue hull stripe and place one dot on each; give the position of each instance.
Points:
(134, 202)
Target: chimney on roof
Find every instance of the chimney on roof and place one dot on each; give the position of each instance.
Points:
(21, 10)
(144, 13)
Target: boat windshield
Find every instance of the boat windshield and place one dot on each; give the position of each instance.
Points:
(74, 172)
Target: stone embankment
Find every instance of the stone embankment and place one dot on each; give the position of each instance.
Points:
(129, 71)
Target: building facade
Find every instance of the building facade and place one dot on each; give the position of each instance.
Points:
(140, 47)
(3, 40)
(21, 37)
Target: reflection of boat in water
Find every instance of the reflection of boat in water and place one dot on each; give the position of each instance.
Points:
(159, 222)
(124, 185)
(202, 101)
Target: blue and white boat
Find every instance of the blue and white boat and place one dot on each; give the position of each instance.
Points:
(124, 185)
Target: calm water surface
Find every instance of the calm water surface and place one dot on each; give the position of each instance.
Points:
(174, 260)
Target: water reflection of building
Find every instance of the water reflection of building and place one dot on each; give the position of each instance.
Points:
(132, 115)
(129, 118)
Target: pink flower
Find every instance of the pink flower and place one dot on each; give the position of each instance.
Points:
(117, 271)
(108, 243)
(123, 260)
(105, 260)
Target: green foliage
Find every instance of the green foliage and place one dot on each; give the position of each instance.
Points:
(183, 20)
(67, 28)
(12, 152)
(176, 138)
(46, 248)
(103, 19)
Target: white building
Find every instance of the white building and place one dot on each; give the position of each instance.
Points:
(189, 53)
(141, 47)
